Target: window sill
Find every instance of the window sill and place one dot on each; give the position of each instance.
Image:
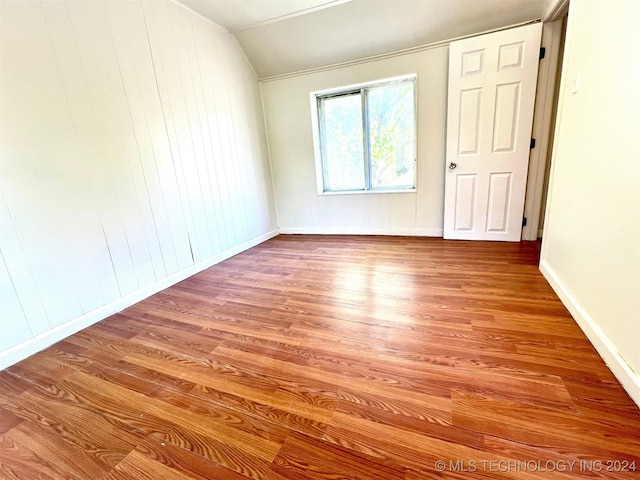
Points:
(366, 192)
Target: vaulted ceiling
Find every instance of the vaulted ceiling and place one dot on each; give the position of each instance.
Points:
(284, 36)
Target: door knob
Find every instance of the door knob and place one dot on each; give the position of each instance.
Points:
(452, 166)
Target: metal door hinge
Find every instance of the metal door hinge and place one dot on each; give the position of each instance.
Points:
(524, 221)
(532, 145)
(543, 52)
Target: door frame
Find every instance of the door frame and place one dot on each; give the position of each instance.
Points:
(544, 117)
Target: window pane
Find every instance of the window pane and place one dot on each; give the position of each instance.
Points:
(343, 143)
(392, 136)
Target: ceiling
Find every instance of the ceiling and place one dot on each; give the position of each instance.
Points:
(285, 36)
(237, 15)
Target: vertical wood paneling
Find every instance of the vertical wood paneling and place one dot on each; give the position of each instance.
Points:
(431, 139)
(234, 199)
(12, 308)
(165, 48)
(122, 166)
(189, 131)
(35, 126)
(203, 36)
(129, 35)
(131, 192)
(191, 26)
(265, 193)
(237, 129)
(222, 148)
(22, 284)
(88, 221)
(243, 106)
(132, 148)
(200, 127)
(139, 156)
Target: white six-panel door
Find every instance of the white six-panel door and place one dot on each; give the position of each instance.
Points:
(492, 86)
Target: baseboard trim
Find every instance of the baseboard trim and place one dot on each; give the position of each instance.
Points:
(402, 232)
(34, 345)
(629, 379)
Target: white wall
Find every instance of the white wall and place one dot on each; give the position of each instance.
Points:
(288, 118)
(591, 244)
(132, 154)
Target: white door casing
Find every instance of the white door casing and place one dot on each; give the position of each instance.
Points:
(492, 87)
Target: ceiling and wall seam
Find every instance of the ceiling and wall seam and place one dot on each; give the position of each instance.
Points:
(208, 20)
(382, 56)
(283, 37)
(331, 3)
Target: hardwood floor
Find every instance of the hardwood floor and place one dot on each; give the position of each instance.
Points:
(328, 358)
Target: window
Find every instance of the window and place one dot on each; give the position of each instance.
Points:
(366, 136)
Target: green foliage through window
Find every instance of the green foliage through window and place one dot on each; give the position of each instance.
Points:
(367, 137)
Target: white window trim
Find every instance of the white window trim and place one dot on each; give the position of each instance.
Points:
(317, 147)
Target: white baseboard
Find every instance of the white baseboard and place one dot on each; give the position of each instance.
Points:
(48, 338)
(403, 232)
(629, 379)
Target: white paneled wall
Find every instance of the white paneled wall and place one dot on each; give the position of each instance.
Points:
(132, 154)
(288, 118)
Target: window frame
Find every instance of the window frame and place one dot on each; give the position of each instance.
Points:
(317, 120)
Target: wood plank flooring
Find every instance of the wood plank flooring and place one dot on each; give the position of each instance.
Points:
(324, 358)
